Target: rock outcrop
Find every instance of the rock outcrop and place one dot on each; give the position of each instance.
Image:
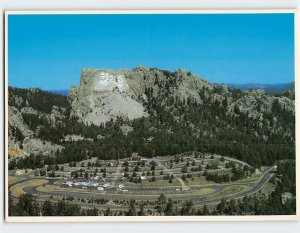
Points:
(257, 102)
(25, 141)
(36, 146)
(106, 94)
(15, 120)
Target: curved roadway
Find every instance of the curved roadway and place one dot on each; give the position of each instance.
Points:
(256, 186)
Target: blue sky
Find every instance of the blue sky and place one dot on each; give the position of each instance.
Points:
(49, 51)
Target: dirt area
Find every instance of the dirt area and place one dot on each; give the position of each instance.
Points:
(15, 151)
(17, 189)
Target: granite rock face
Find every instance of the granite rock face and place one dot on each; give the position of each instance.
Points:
(29, 143)
(257, 102)
(104, 95)
(16, 121)
(37, 146)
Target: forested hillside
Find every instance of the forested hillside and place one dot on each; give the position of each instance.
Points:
(36, 98)
(253, 126)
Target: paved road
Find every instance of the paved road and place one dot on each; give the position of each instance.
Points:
(200, 200)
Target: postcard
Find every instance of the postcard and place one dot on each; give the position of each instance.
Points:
(150, 115)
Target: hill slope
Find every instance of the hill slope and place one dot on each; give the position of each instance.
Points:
(156, 112)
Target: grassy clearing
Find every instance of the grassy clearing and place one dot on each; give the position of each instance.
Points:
(250, 179)
(157, 183)
(46, 188)
(198, 181)
(229, 190)
(13, 179)
(161, 183)
(203, 191)
(268, 188)
(17, 189)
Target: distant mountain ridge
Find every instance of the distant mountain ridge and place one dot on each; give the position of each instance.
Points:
(276, 88)
(63, 92)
